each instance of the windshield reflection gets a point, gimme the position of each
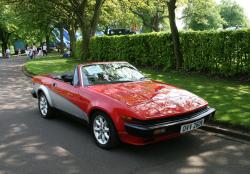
(110, 73)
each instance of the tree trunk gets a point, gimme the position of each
(89, 31)
(155, 23)
(61, 40)
(4, 47)
(86, 35)
(47, 42)
(72, 36)
(96, 15)
(5, 39)
(175, 35)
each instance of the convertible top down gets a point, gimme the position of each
(120, 104)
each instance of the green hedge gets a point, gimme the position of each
(224, 53)
(146, 50)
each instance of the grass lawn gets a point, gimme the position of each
(231, 99)
(51, 64)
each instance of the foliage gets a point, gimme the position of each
(152, 13)
(153, 49)
(7, 20)
(115, 15)
(202, 15)
(8, 25)
(231, 99)
(33, 20)
(225, 53)
(232, 14)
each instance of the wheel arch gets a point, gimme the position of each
(45, 91)
(94, 110)
(113, 118)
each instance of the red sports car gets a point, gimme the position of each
(120, 104)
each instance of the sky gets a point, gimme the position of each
(246, 5)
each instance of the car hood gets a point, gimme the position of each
(152, 99)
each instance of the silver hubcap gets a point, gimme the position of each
(43, 105)
(101, 130)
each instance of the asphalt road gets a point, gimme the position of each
(32, 145)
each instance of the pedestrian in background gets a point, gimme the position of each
(30, 52)
(45, 49)
(7, 53)
(34, 50)
(1, 56)
(19, 52)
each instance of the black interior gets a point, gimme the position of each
(68, 78)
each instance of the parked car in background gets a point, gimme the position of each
(111, 32)
(120, 104)
(236, 27)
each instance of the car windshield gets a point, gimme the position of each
(110, 73)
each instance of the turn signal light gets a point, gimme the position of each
(127, 118)
(159, 131)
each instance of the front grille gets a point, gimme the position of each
(172, 119)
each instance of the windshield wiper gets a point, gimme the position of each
(123, 81)
(143, 78)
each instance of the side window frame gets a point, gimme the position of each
(76, 81)
(85, 81)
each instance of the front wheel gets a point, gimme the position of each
(104, 131)
(44, 107)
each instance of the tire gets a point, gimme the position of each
(45, 109)
(103, 131)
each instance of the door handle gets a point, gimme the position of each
(54, 84)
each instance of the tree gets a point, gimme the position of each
(171, 4)
(7, 26)
(64, 19)
(116, 15)
(202, 15)
(151, 12)
(33, 22)
(87, 13)
(44, 17)
(232, 14)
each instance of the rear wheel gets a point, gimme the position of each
(44, 107)
(104, 132)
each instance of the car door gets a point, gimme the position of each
(66, 96)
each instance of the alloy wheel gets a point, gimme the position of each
(43, 105)
(101, 130)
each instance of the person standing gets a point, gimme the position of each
(34, 50)
(19, 52)
(1, 56)
(30, 52)
(45, 49)
(7, 53)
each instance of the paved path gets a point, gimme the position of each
(30, 144)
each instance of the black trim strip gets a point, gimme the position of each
(171, 126)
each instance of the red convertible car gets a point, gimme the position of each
(120, 104)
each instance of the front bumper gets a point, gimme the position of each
(167, 127)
